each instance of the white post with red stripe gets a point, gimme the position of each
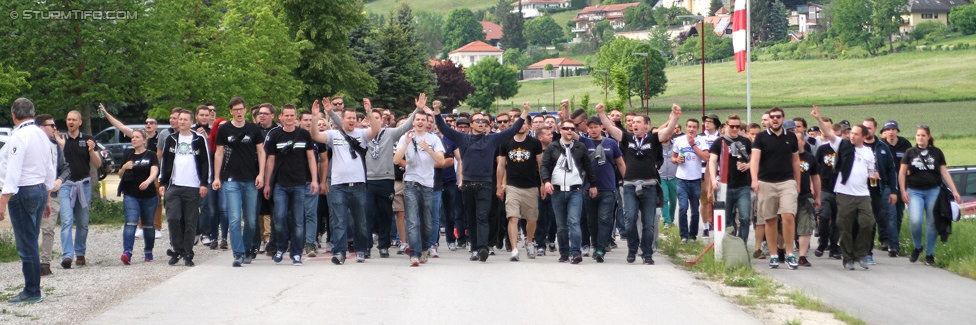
(718, 219)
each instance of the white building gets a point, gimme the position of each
(474, 52)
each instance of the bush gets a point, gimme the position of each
(929, 31)
(8, 249)
(963, 18)
(104, 211)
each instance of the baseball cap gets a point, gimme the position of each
(594, 119)
(891, 124)
(814, 129)
(789, 125)
(462, 121)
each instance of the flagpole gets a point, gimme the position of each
(748, 58)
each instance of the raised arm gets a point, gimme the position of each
(825, 128)
(314, 132)
(374, 124)
(665, 133)
(615, 132)
(115, 122)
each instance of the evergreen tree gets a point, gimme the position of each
(779, 22)
(714, 7)
(407, 72)
(513, 35)
(461, 28)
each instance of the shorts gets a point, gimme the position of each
(755, 210)
(398, 196)
(777, 198)
(522, 203)
(805, 221)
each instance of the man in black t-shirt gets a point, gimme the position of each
(239, 170)
(827, 222)
(292, 151)
(776, 182)
(79, 152)
(898, 145)
(519, 161)
(731, 154)
(643, 155)
(808, 200)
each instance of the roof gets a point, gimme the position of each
(524, 2)
(719, 22)
(556, 62)
(934, 6)
(722, 11)
(492, 30)
(616, 7)
(477, 46)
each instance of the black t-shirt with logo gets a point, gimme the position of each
(141, 169)
(642, 156)
(808, 168)
(77, 156)
(291, 160)
(521, 165)
(826, 158)
(736, 178)
(775, 163)
(240, 151)
(923, 167)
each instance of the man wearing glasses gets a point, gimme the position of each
(777, 183)
(731, 153)
(477, 155)
(262, 238)
(46, 123)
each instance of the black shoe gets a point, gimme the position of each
(66, 263)
(214, 244)
(576, 259)
(173, 257)
(819, 252)
(915, 253)
(631, 257)
(474, 258)
(892, 253)
(782, 252)
(836, 255)
(884, 248)
(188, 261)
(338, 259)
(238, 261)
(613, 244)
(563, 258)
(552, 247)
(369, 253)
(648, 261)
(384, 252)
(930, 260)
(483, 254)
(804, 262)
(598, 256)
(508, 246)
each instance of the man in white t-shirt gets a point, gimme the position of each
(183, 179)
(856, 165)
(419, 151)
(711, 124)
(688, 151)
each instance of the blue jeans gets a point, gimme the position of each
(417, 215)
(209, 214)
(289, 198)
(349, 211)
(646, 204)
(379, 209)
(567, 206)
(688, 192)
(26, 209)
(921, 203)
(741, 198)
(69, 215)
(311, 216)
(619, 218)
(894, 224)
(436, 204)
(240, 201)
(600, 217)
(451, 199)
(139, 209)
(670, 188)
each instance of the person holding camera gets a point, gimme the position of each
(730, 157)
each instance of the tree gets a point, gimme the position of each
(599, 30)
(779, 23)
(513, 27)
(12, 82)
(429, 33)
(963, 18)
(577, 4)
(639, 17)
(620, 81)
(714, 7)
(928, 31)
(668, 16)
(886, 18)
(716, 47)
(851, 23)
(516, 58)
(404, 61)
(543, 30)
(461, 28)
(498, 13)
(486, 72)
(661, 41)
(452, 86)
(619, 53)
(327, 66)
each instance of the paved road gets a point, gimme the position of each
(892, 292)
(449, 289)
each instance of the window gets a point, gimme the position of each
(970, 185)
(107, 136)
(926, 16)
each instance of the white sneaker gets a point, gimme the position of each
(205, 240)
(586, 250)
(262, 246)
(433, 252)
(530, 250)
(515, 255)
(138, 232)
(328, 248)
(159, 234)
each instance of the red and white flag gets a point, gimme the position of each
(739, 36)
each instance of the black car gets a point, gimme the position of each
(107, 161)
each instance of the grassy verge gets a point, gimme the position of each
(8, 249)
(957, 255)
(105, 211)
(762, 289)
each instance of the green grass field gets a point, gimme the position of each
(442, 7)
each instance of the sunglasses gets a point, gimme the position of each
(502, 121)
(568, 128)
(338, 103)
(52, 125)
(776, 116)
(733, 126)
(150, 122)
(480, 120)
(923, 126)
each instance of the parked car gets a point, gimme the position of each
(108, 162)
(5, 131)
(965, 179)
(116, 142)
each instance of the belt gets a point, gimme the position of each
(564, 188)
(414, 184)
(353, 184)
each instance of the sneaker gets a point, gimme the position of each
(870, 260)
(247, 259)
(508, 246)
(462, 245)
(864, 262)
(262, 246)
(530, 250)
(576, 259)
(451, 247)
(238, 261)
(223, 244)
(773, 262)
(648, 261)
(892, 253)
(173, 257)
(913, 258)
(414, 261)
(791, 262)
(705, 233)
(613, 244)
(491, 251)
(515, 255)
(563, 258)
(474, 257)
(159, 234)
(328, 248)
(598, 256)
(818, 252)
(804, 261)
(46, 270)
(433, 252)
(312, 251)
(213, 244)
(849, 265)
(424, 257)
(188, 261)
(360, 257)
(764, 248)
(296, 260)
(552, 247)
(781, 251)
(138, 232)
(483, 254)
(126, 256)
(278, 256)
(402, 250)
(884, 247)
(930, 260)
(631, 257)
(205, 240)
(836, 256)
(368, 253)
(21, 298)
(684, 240)
(541, 251)
(384, 252)
(338, 259)
(586, 250)
(756, 254)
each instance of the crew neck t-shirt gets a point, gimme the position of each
(857, 182)
(736, 178)
(641, 155)
(291, 156)
(77, 156)
(808, 168)
(345, 168)
(240, 151)
(923, 167)
(521, 165)
(185, 163)
(142, 164)
(420, 164)
(690, 170)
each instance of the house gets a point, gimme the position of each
(696, 7)
(560, 66)
(493, 32)
(808, 18)
(474, 52)
(721, 22)
(541, 4)
(590, 16)
(919, 11)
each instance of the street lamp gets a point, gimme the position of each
(701, 34)
(647, 77)
(606, 83)
(495, 94)
(553, 91)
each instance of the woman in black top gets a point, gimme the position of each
(140, 200)
(923, 169)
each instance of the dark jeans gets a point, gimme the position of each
(894, 224)
(26, 209)
(855, 243)
(477, 205)
(139, 209)
(348, 209)
(827, 226)
(182, 213)
(496, 214)
(568, 206)
(210, 215)
(545, 230)
(451, 198)
(599, 211)
(880, 208)
(645, 203)
(741, 198)
(289, 216)
(323, 212)
(379, 208)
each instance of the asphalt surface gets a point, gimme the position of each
(449, 289)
